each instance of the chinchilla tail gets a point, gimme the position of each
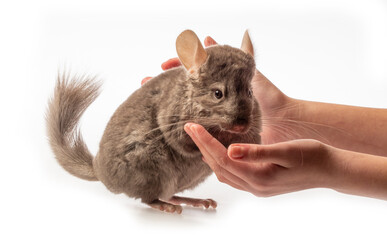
(72, 96)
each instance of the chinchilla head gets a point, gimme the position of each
(220, 89)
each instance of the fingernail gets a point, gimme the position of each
(187, 128)
(164, 65)
(146, 79)
(236, 152)
(193, 129)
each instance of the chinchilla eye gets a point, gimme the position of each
(218, 94)
(250, 93)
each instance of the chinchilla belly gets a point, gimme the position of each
(191, 173)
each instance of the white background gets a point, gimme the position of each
(331, 51)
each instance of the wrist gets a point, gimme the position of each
(334, 168)
(346, 172)
(324, 166)
(360, 174)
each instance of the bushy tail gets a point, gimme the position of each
(71, 98)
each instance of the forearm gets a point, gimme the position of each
(359, 174)
(352, 128)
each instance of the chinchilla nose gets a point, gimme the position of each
(239, 125)
(238, 128)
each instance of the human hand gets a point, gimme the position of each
(266, 170)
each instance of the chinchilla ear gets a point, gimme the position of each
(247, 45)
(190, 51)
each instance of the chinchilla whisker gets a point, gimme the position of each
(163, 126)
(288, 130)
(282, 133)
(280, 119)
(166, 116)
(277, 125)
(308, 127)
(169, 131)
(180, 122)
(166, 125)
(286, 107)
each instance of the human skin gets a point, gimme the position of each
(267, 170)
(289, 160)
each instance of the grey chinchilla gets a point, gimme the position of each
(144, 151)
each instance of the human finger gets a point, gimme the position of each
(216, 152)
(228, 178)
(225, 176)
(170, 63)
(222, 174)
(145, 80)
(279, 154)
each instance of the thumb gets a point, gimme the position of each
(275, 154)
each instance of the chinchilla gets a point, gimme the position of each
(145, 152)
